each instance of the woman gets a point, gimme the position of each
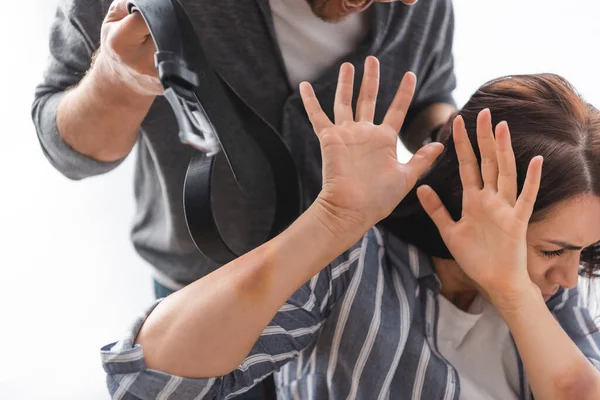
(345, 311)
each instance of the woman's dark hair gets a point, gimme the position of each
(547, 117)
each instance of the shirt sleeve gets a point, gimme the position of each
(575, 319)
(74, 37)
(294, 328)
(436, 80)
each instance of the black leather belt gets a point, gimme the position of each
(226, 131)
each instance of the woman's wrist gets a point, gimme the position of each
(344, 228)
(511, 303)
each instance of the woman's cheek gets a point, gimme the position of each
(537, 265)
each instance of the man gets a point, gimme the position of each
(100, 95)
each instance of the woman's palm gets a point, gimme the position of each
(489, 241)
(362, 178)
(353, 158)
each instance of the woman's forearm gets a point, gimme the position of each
(209, 327)
(555, 367)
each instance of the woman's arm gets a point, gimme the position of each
(294, 329)
(489, 244)
(555, 366)
(208, 328)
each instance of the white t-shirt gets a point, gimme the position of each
(310, 45)
(478, 345)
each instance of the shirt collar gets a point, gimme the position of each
(405, 255)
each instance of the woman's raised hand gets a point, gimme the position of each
(362, 179)
(489, 241)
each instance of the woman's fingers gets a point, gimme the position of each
(487, 148)
(397, 112)
(526, 201)
(435, 209)
(342, 107)
(316, 115)
(420, 162)
(507, 167)
(367, 99)
(467, 162)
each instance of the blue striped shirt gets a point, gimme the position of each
(363, 328)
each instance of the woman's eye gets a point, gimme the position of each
(554, 253)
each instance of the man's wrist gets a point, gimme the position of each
(433, 135)
(424, 124)
(111, 86)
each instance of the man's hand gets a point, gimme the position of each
(101, 116)
(127, 51)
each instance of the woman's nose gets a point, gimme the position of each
(566, 276)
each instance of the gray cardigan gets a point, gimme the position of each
(239, 40)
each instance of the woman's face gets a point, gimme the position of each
(555, 242)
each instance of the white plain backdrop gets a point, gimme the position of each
(70, 281)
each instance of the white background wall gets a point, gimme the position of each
(70, 281)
